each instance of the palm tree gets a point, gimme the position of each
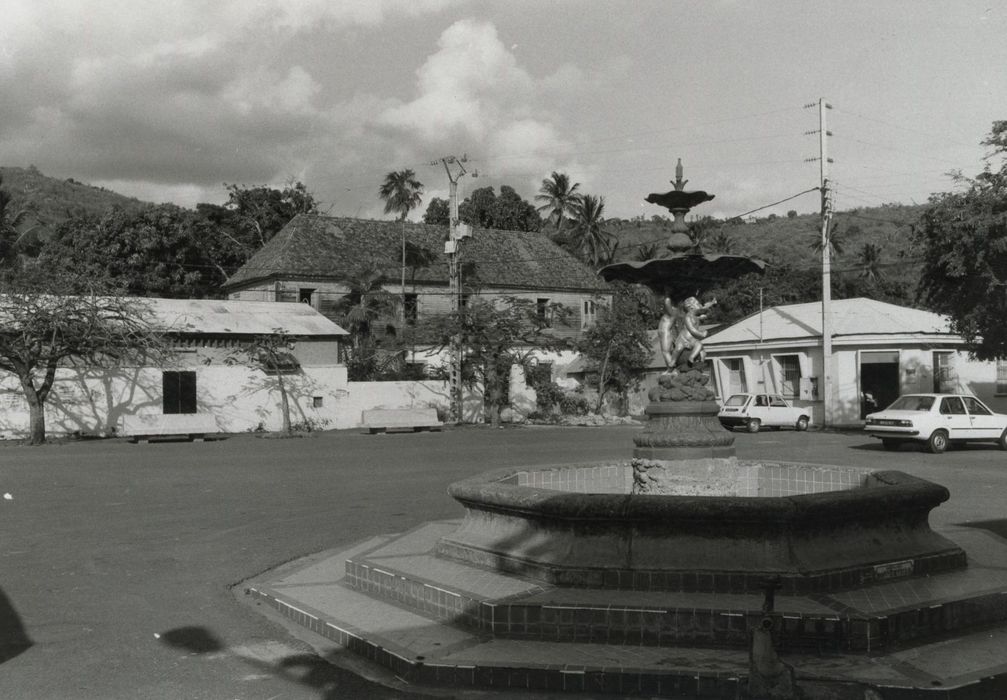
(720, 242)
(559, 199)
(869, 258)
(837, 241)
(402, 192)
(588, 235)
(15, 228)
(647, 251)
(363, 305)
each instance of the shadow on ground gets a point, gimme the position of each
(330, 681)
(13, 638)
(997, 527)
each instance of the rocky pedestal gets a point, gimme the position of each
(682, 432)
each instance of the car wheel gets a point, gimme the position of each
(938, 441)
(802, 423)
(1002, 442)
(753, 425)
(890, 444)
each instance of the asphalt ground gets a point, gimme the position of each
(117, 561)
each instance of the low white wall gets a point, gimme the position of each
(239, 398)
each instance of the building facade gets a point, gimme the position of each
(319, 260)
(879, 351)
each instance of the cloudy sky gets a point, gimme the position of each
(167, 101)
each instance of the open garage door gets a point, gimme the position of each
(879, 379)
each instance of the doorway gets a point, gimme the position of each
(879, 380)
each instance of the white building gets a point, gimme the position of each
(879, 351)
(198, 378)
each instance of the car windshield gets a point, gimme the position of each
(737, 400)
(912, 403)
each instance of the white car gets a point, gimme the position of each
(938, 420)
(754, 411)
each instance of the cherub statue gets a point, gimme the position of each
(679, 331)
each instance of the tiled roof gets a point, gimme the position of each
(323, 246)
(218, 317)
(850, 317)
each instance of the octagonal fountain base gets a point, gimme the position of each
(721, 526)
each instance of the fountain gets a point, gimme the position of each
(684, 514)
(683, 545)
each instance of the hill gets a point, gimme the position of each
(788, 239)
(51, 201)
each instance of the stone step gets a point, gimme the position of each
(867, 620)
(312, 593)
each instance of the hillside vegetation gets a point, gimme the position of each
(791, 239)
(889, 272)
(51, 201)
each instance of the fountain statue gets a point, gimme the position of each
(683, 421)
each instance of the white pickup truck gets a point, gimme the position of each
(754, 411)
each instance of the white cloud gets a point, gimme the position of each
(302, 14)
(473, 95)
(468, 85)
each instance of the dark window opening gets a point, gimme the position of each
(279, 363)
(316, 401)
(542, 310)
(178, 392)
(412, 305)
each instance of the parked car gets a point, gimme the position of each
(754, 411)
(937, 420)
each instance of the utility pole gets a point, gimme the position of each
(457, 232)
(826, 218)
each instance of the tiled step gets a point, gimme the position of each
(868, 620)
(312, 592)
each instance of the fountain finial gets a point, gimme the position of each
(678, 182)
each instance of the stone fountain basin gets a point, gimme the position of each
(818, 528)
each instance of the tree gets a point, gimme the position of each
(506, 212)
(720, 242)
(836, 238)
(792, 214)
(15, 228)
(963, 237)
(161, 251)
(494, 337)
(617, 346)
(869, 259)
(53, 322)
(588, 235)
(438, 212)
(702, 228)
(647, 251)
(783, 283)
(559, 199)
(271, 353)
(251, 216)
(363, 306)
(401, 193)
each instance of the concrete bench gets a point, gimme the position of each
(193, 426)
(382, 420)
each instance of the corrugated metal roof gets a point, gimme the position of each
(214, 316)
(850, 317)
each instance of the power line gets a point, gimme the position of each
(942, 136)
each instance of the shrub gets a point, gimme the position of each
(548, 395)
(574, 405)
